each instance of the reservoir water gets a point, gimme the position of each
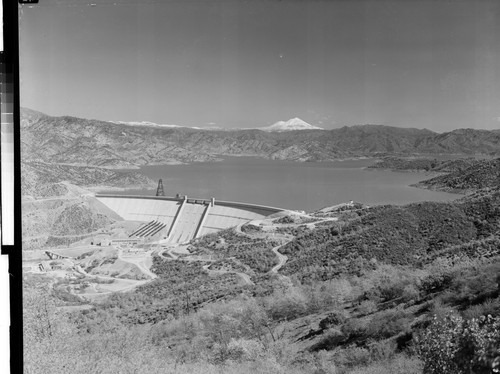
(293, 185)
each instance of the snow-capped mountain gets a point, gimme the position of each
(290, 125)
(143, 123)
(152, 124)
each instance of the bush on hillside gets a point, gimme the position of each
(287, 305)
(456, 345)
(388, 323)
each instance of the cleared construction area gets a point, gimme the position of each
(181, 219)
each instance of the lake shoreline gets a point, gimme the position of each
(306, 186)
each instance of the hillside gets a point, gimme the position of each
(58, 207)
(406, 235)
(87, 142)
(69, 215)
(483, 174)
(40, 179)
(424, 164)
(347, 289)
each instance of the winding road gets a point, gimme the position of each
(281, 259)
(133, 283)
(244, 276)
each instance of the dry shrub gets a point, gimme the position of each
(399, 364)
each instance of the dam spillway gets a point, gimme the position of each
(183, 219)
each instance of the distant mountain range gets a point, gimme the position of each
(144, 123)
(290, 125)
(77, 141)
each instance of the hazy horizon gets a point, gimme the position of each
(233, 64)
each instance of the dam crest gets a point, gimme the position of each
(181, 219)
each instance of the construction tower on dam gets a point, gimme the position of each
(159, 189)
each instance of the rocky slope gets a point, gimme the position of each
(40, 179)
(63, 219)
(56, 210)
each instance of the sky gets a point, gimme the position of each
(407, 63)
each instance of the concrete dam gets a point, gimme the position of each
(180, 219)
